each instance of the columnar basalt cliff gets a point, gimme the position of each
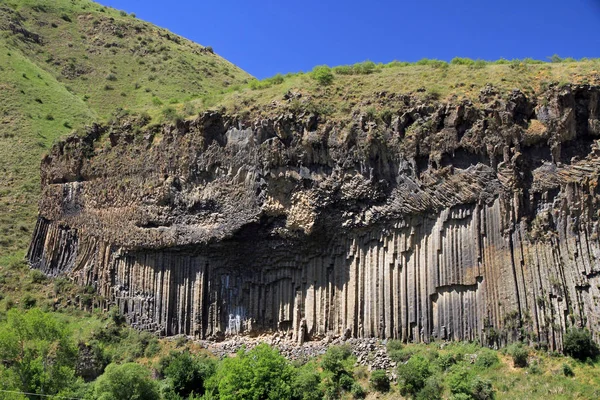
(435, 220)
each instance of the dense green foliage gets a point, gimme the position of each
(128, 381)
(38, 355)
(380, 381)
(322, 74)
(413, 374)
(519, 354)
(36, 352)
(185, 374)
(578, 343)
(261, 373)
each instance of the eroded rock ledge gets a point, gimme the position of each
(449, 221)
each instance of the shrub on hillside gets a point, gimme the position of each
(445, 361)
(482, 389)
(464, 384)
(519, 354)
(487, 358)
(459, 379)
(432, 390)
(126, 381)
(364, 68)
(357, 391)
(413, 374)
(379, 381)
(37, 276)
(306, 383)
(343, 70)
(462, 61)
(261, 373)
(322, 74)
(567, 370)
(578, 343)
(185, 373)
(338, 360)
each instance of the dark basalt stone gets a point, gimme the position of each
(449, 221)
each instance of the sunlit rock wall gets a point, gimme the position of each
(447, 221)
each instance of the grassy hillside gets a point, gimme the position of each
(64, 63)
(360, 87)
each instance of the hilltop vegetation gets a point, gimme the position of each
(340, 91)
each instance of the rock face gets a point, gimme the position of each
(449, 221)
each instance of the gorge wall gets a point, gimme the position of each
(431, 220)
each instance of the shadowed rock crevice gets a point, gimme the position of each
(450, 221)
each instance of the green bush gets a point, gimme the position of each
(397, 352)
(28, 301)
(461, 396)
(379, 381)
(463, 384)
(397, 64)
(261, 373)
(462, 61)
(306, 383)
(578, 343)
(346, 382)
(36, 353)
(519, 354)
(393, 345)
(37, 276)
(277, 79)
(567, 370)
(322, 74)
(338, 360)
(364, 68)
(255, 84)
(128, 381)
(343, 70)
(432, 390)
(171, 115)
(432, 63)
(445, 361)
(480, 64)
(185, 373)
(357, 391)
(482, 389)
(486, 358)
(413, 374)
(535, 368)
(556, 59)
(459, 379)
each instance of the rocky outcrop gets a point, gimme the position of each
(426, 221)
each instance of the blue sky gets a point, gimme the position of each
(267, 37)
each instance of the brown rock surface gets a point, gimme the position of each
(450, 221)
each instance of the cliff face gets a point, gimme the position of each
(450, 221)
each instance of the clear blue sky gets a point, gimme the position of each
(266, 37)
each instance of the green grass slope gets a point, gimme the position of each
(359, 88)
(65, 63)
